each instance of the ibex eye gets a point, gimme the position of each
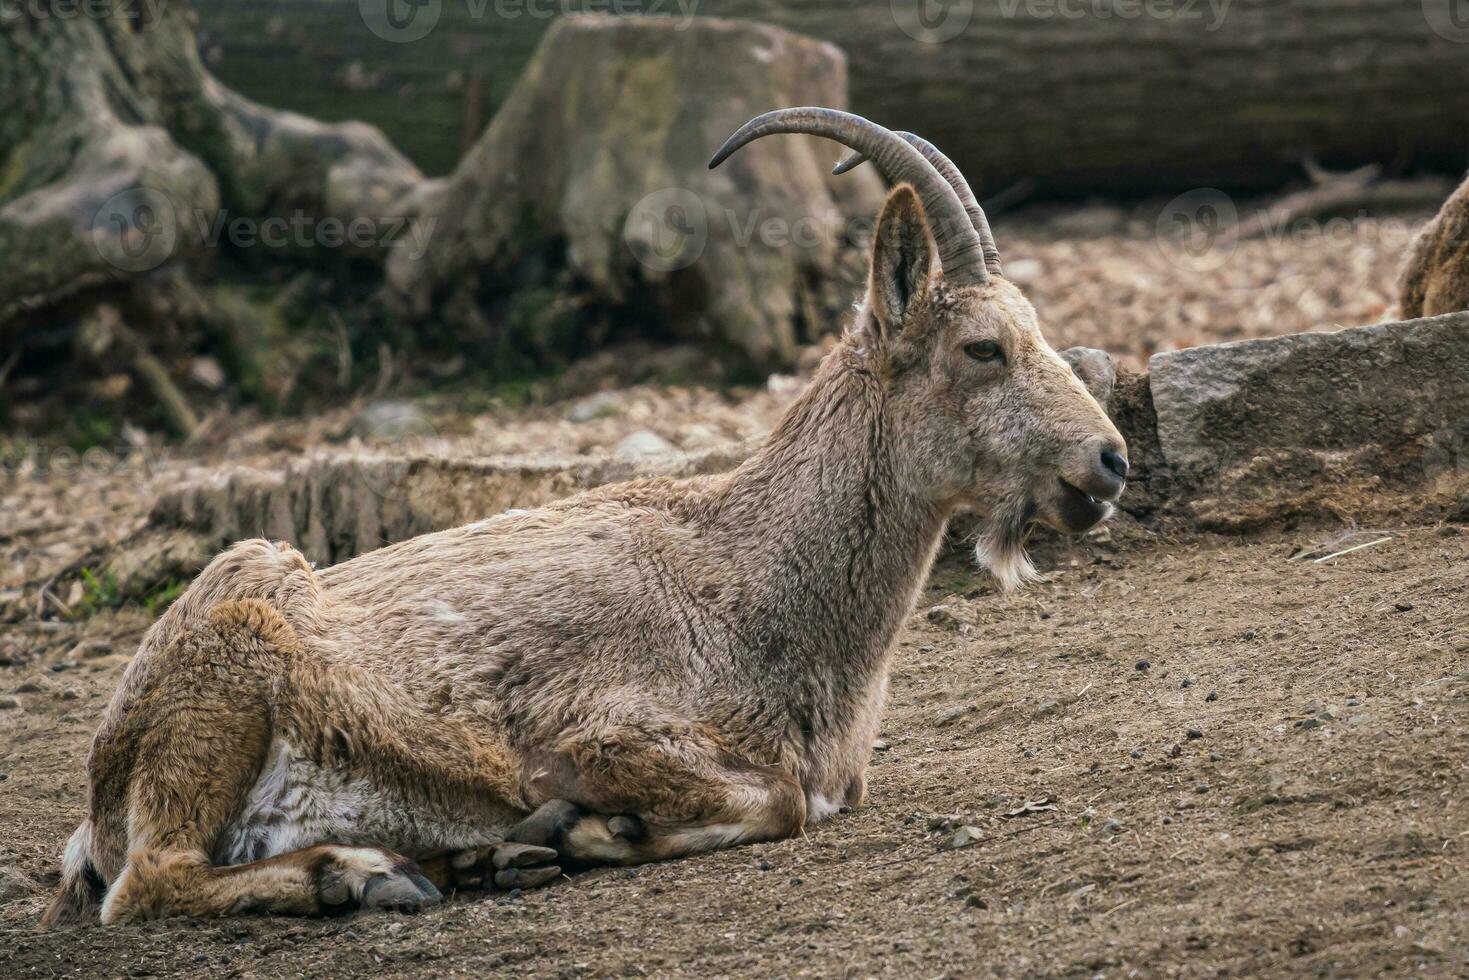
(985, 350)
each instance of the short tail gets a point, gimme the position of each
(79, 895)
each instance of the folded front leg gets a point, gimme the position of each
(634, 793)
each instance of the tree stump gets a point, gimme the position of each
(593, 177)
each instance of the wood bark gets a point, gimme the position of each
(119, 152)
(1081, 99)
(1081, 96)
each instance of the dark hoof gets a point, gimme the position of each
(547, 826)
(404, 890)
(527, 877)
(626, 827)
(515, 855)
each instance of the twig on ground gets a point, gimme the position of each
(1347, 551)
(1359, 189)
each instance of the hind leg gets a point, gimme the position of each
(188, 750)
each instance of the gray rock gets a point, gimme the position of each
(965, 836)
(943, 617)
(14, 884)
(1095, 368)
(1264, 424)
(598, 406)
(9, 702)
(642, 443)
(392, 420)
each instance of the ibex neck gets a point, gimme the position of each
(832, 546)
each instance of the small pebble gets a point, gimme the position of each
(1187, 682)
(1114, 825)
(764, 865)
(1212, 696)
(1167, 819)
(1143, 664)
(1175, 751)
(1136, 753)
(1403, 606)
(1195, 733)
(9, 702)
(965, 836)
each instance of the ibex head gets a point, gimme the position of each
(989, 417)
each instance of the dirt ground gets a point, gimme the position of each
(1180, 755)
(1177, 755)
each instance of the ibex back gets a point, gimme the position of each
(643, 671)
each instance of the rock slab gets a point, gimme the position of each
(1281, 417)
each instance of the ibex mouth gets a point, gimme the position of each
(1079, 510)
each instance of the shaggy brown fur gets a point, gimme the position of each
(636, 673)
(1435, 279)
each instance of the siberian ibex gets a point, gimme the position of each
(1435, 278)
(639, 672)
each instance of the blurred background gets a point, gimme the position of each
(216, 216)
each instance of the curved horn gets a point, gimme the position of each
(961, 252)
(951, 173)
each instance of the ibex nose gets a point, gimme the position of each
(1115, 462)
(1110, 470)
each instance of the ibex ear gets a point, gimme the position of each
(902, 256)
